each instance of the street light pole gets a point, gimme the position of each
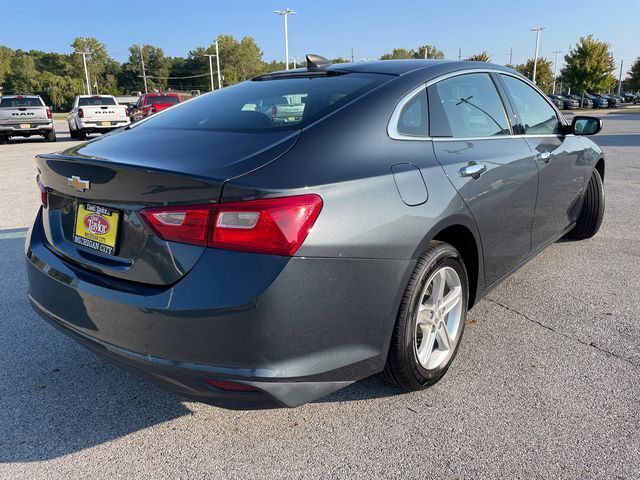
(218, 65)
(210, 55)
(144, 73)
(535, 59)
(86, 72)
(555, 71)
(620, 78)
(285, 13)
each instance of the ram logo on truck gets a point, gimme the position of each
(22, 114)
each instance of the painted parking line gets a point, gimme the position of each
(8, 234)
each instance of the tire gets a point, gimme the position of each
(3, 140)
(592, 211)
(73, 133)
(408, 366)
(51, 136)
(81, 134)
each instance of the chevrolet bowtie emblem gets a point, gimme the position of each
(78, 184)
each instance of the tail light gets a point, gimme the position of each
(44, 196)
(276, 226)
(81, 113)
(48, 112)
(230, 386)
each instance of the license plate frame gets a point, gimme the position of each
(25, 126)
(105, 124)
(97, 228)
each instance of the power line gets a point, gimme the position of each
(175, 78)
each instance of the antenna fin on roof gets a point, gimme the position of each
(316, 62)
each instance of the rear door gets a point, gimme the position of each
(493, 170)
(559, 160)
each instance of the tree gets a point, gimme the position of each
(96, 60)
(544, 72)
(633, 80)
(24, 77)
(156, 68)
(589, 66)
(398, 54)
(480, 57)
(6, 56)
(431, 50)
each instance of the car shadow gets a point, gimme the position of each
(57, 398)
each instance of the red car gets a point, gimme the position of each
(151, 103)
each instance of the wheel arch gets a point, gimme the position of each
(600, 168)
(461, 233)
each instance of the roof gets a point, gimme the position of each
(397, 67)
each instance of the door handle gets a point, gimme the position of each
(544, 156)
(473, 170)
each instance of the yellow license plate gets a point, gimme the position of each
(25, 125)
(96, 228)
(105, 124)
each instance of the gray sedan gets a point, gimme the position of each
(248, 260)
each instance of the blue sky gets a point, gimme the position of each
(330, 28)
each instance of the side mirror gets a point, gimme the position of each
(583, 125)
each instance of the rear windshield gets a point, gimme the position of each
(162, 99)
(90, 101)
(268, 105)
(21, 102)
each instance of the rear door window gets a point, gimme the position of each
(467, 106)
(413, 119)
(536, 115)
(162, 99)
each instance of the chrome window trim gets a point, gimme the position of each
(392, 126)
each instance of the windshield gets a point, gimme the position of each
(268, 105)
(97, 101)
(162, 99)
(16, 102)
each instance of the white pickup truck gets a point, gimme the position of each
(96, 114)
(23, 116)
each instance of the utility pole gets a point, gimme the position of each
(285, 13)
(555, 72)
(620, 78)
(459, 54)
(535, 58)
(351, 54)
(218, 65)
(86, 72)
(144, 73)
(210, 55)
(511, 56)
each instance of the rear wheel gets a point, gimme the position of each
(73, 133)
(82, 135)
(51, 136)
(431, 319)
(592, 211)
(3, 139)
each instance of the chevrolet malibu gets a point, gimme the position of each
(248, 260)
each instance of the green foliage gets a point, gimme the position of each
(419, 53)
(544, 73)
(23, 77)
(589, 66)
(633, 80)
(480, 57)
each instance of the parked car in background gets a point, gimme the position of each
(586, 101)
(568, 103)
(598, 101)
(24, 116)
(248, 263)
(281, 109)
(612, 102)
(629, 97)
(556, 101)
(151, 103)
(95, 114)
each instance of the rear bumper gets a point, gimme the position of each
(14, 130)
(295, 329)
(97, 127)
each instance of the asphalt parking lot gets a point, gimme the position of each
(546, 383)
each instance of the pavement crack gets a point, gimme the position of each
(569, 337)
